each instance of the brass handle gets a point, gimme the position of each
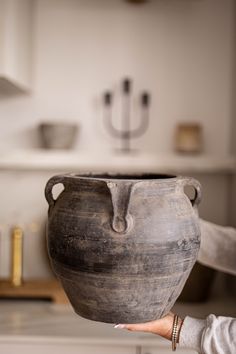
(17, 256)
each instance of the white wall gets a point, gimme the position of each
(179, 50)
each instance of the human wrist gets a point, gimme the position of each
(166, 326)
(191, 333)
(176, 328)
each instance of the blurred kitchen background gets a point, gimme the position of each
(74, 73)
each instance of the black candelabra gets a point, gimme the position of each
(126, 133)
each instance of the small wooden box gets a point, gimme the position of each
(33, 289)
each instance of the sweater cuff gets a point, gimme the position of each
(191, 333)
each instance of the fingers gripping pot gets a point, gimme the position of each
(122, 246)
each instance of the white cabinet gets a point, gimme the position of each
(15, 45)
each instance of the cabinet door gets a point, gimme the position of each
(163, 350)
(15, 45)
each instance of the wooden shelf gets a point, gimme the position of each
(34, 289)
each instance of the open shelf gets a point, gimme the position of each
(59, 160)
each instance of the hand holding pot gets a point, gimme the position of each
(168, 327)
(161, 327)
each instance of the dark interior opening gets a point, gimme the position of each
(141, 176)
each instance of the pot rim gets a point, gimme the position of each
(135, 177)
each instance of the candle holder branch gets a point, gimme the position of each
(127, 133)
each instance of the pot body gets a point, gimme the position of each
(122, 246)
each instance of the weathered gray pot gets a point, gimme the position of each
(122, 246)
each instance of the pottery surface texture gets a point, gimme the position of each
(122, 246)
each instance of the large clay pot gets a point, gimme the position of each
(123, 246)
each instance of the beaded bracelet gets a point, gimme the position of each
(175, 332)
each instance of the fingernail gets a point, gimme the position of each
(119, 326)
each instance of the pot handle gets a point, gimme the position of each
(48, 189)
(189, 181)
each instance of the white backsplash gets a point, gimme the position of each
(23, 204)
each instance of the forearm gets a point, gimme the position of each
(191, 333)
(214, 335)
(218, 247)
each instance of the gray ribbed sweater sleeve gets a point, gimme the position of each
(218, 247)
(215, 335)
